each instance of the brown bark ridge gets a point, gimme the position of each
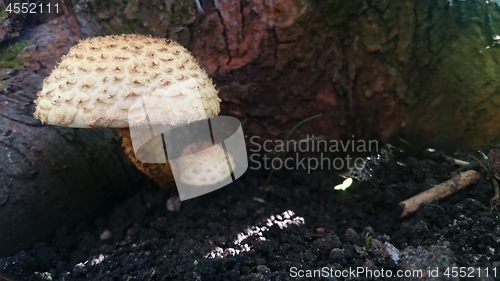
(375, 69)
(50, 176)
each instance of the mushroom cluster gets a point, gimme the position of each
(98, 82)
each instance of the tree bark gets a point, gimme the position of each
(375, 69)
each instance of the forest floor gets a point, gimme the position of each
(247, 231)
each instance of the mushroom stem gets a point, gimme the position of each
(440, 191)
(159, 172)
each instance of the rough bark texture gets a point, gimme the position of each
(50, 176)
(9, 25)
(373, 68)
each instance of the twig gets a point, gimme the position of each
(442, 190)
(459, 162)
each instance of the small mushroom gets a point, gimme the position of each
(101, 78)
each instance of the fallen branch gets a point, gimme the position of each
(442, 190)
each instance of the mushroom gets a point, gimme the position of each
(102, 78)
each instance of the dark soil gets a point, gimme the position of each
(245, 231)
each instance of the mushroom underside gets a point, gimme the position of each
(161, 173)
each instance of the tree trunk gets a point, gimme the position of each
(374, 69)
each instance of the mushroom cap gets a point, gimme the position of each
(206, 167)
(102, 78)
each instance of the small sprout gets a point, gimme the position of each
(368, 240)
(344, 185)
(368, 243)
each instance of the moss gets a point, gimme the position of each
(132, 8)
(462, 100)
(3, 13)
(10, 58)
(156, 17)
(106, 14)
(182, 11)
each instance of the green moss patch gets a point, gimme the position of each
(9, 59)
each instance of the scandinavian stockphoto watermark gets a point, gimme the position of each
(310, 153)
(204, 154)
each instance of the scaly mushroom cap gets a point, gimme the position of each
(101, 78)
(206, 167)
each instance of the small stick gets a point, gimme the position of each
(459, 162)
(441, 190)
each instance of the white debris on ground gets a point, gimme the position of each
(174, 203)
(106, 234)
(256, 232)
(392, 251)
